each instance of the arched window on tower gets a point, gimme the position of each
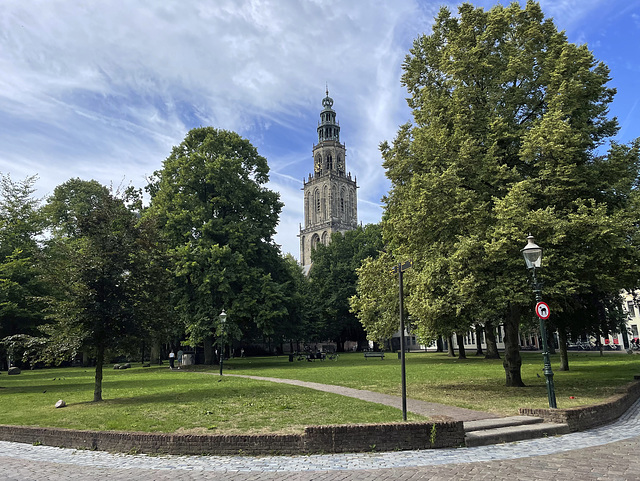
(329, 162)
(316, 201)
(325, 238)
(325, 199)
(334, 200)
(314, 241)
(306, 210)
(352, 205)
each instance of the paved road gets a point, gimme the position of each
(609, 452)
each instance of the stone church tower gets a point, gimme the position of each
(330, 195)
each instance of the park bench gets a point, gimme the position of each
(373, 354)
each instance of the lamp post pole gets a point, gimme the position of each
(399, 269)
(533, 257)
(402, 348)
(223, 318)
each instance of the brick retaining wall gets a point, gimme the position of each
(586, 417)
(316, 439)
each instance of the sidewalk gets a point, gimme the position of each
(423, 408)
(608, 452)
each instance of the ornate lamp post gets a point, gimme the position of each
(223, 320)
(532, 254)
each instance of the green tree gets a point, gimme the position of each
(297, 324)
(218, 220)
(333, 279)
(376, 301)
(509, 118)
(92, 258)
(21, 286)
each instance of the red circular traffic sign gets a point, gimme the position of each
(542, 310)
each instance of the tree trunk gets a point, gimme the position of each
(479, 340)
(85, 358)
(450, 346)
(492, 345)
(154, 356)
(461, 352)
(208, 351)
(512, 360)
(97, 388)
(564, 355)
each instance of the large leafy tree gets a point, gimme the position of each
(218, 219)
(509, 120)
(298, 323)
(93, 259)
(333, 279)
(21, 285)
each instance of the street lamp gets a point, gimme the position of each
(223, 319)
(532, 254)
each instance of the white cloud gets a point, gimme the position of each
(103, 89)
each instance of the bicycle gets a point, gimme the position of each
(584, 345)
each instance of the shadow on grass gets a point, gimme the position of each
(217, 392)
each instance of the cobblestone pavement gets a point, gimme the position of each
(609, 452)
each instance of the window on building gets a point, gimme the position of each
(499, 333)
(634, 330)
(631, 309)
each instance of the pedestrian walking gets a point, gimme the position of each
(172, 359)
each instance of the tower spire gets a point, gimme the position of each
(330, 195)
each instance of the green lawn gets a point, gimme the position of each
(157, 399)
(474, 383)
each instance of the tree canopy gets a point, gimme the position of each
(218, 219)
(510, 123)
(21, 284)
(92, 260)
(333, 280)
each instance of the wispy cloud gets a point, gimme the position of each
(104, 89)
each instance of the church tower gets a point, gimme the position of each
(330, 196)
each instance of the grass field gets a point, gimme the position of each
(199, 401)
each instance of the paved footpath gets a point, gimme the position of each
(609, 452)
(413, 405)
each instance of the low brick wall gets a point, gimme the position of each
(586, 417)
(383, 437)
(316, 439)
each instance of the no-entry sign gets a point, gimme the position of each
(542, 310)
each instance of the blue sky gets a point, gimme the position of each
(103, 89)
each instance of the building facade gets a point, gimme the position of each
(330, 194)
